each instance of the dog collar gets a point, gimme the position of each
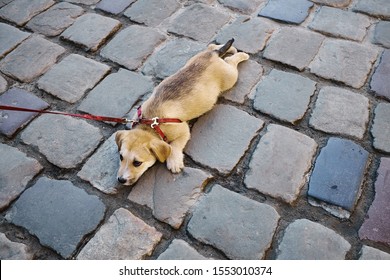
(154, 123)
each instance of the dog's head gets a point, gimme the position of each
(138, 150)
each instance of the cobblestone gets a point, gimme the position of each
(380, 83)
(379, 8)
(240, 227)
(287, 11)
(115, 7)
(369, 253)
(380, 129)
(10, 38)
(333, 3)
(12, 250)
(180, 250)
(382, 34)
(3, 84)
(246, 7)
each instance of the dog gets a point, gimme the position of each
(186, 95)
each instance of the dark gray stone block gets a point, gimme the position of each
(286, 10)
(380, 82)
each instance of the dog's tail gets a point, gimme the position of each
(223, 50)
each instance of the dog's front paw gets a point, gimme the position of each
(175, 161)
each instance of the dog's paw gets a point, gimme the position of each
(175, 161)
(244, 56)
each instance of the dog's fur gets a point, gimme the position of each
(186, 95)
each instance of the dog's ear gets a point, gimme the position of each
(160, 149)
(119, 139)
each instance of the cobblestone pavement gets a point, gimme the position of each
(293, 162)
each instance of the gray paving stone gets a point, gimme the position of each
(10, 38)
(151, 12)
(84, 2)
(294, 47)
(170, 196)
(16, 171)
(238, 226)
(380, 129)
(224, 128)
(380, 82)
(91, 30)
(258, 29)
(338, 173)
(58, 213)
(72, 77)
(379, 8)
(56, 19)
(283, 95)
(114, 7)
(31, 59)
(118, 48)
(370, 253)
(340, 111)
(333, 3)
(102, 167)
(280, 163)
(65, 141)
(382, 34)
(180, 250)
(13, 250)
(4, 2)
(340, 23)
(243, 6)
(344, 61)
(21, 11)
(287, 11)
(199, 22)
(122, 237)
(250, 73)
(12, 121)
(171, 57)
(376, 226)
(306, 240)
(3, 84)
(116, 94)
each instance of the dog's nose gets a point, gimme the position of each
(121, 180)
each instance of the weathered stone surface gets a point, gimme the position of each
(380, 129)
(240, 227)
(84, 2)
(10, 38)
(16, 171)
(370, 253)
(244, 6)
(64, 141)
(339, 23)
(250, 73)
(3, 84)
(118, 49)
(376, 226)
(4, 2)
(21, 11)
(333, 3)
(380, 82)
(379, 8)
(341, 111)
(382, 34)
(199, 22)
(294, 46)
(306, 240)
(286, 10)
(344, 61)
(224, 128)
(72, 77)
(58, 213)
(116, 94)
(258, 29)
(101, 169)
(11, 121)
(338, 173)
(180, 250)
(91, 30)
(171, 57)
(169, 195)
(114, 7)
(151, 12)
(280, 163)
(56, 19)
(31, 59)
(283, 95)
(13, 250)
(123, 237)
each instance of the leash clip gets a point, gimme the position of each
(155, 122)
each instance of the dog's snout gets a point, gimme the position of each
(121, 180)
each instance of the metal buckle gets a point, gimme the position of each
(155, 122)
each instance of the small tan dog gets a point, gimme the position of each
(186, 95)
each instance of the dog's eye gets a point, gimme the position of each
(137, 163)
(120, 157)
